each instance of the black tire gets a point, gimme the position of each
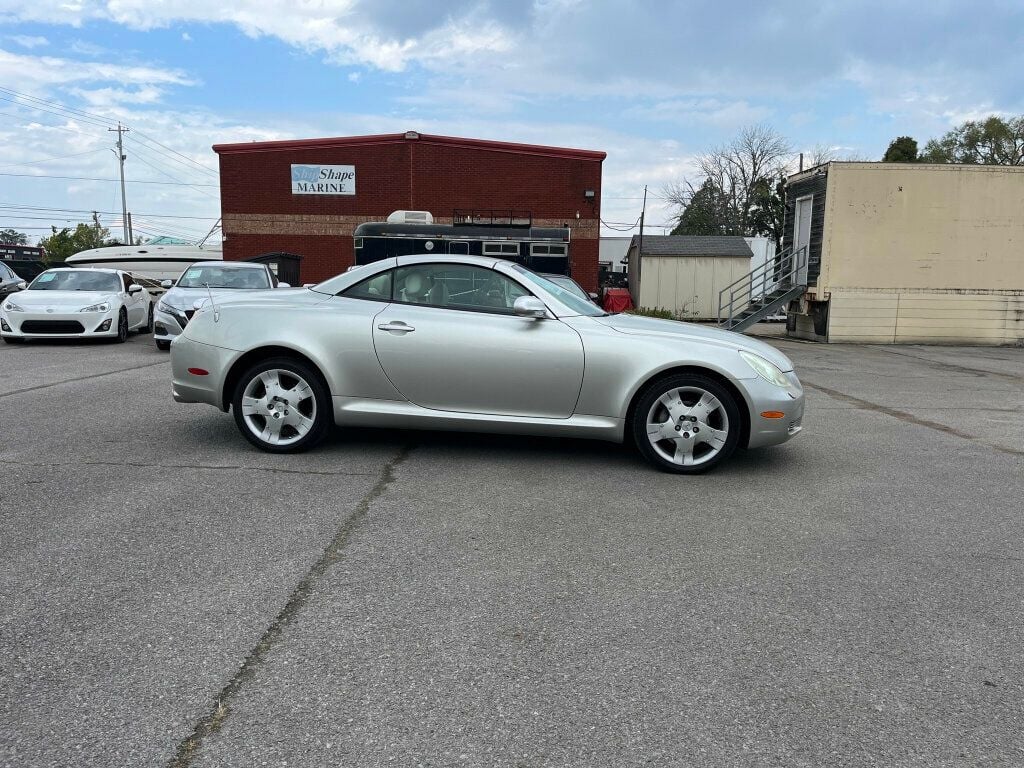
(724, 418)
(163, 346)
(322, 418)
(122, 327)
(148, 327)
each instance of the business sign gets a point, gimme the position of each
(323, 179)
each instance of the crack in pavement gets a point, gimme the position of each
(81, 378)
(210, 723)
(910, 418)
(229, 467)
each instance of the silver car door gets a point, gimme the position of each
(450, 341)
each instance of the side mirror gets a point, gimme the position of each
(21, 286)
(166, 284)
(135, 288)
(283, 285)
(530, 306)
(593, 296)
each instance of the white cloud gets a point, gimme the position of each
(29, 41)
(186, 37)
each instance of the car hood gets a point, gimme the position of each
(62, 299)
(652, 326)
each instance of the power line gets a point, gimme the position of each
(92, 178)
(138, 156)
(58, 105)
(179, 154)
(51, 159)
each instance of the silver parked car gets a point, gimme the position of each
(195, 287)
(470, 343)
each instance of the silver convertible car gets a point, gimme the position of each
(475, 344)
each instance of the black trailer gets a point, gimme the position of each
(27, 261)
(502, 234)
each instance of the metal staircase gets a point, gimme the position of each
(764, 290)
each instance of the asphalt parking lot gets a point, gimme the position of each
(171, 596)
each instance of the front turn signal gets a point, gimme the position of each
(773, 414)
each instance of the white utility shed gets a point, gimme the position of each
(684, 273)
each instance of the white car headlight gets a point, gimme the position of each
(10, 306)
(766, 369)
(103, 306)
(163, 306)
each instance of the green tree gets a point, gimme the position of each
(13, 237)
(768, 211)
(706, 212)
(993, 141)
(902, 149)
(67, 242)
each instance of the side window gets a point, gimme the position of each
(376, 288)
(457, 286)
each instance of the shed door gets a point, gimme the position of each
(802, 232)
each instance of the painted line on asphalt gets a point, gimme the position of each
(909, 418)
(81, 378)
(212, 721)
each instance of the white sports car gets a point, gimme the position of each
(77, 304)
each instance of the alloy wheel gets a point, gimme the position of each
(687, 426)
(279, 407)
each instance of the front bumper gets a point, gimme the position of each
(166, 327)
(58, 325)
(768, 398)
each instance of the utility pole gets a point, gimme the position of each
(643, 213)
(120, 164)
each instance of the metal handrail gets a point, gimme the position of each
(784, 269)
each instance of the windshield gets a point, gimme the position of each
(253, 278)
(571, 300)
(76, 280)
(569, 284)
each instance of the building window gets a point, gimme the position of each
(547, 249)
(501, 249)
(459, 247)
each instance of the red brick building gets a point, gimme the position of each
(267, 205)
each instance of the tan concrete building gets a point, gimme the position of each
(685, 273)
(909, 253)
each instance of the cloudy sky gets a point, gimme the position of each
(650, 83)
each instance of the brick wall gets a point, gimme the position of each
(434, 174)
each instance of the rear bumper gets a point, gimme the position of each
(192, 387)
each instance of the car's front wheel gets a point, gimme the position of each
(122, 327)
(281, 405)
(686, 423)
(148, 327)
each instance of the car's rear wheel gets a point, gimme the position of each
(686, 423)
(281, 405)
(163, 346)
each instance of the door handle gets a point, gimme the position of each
(398, 325)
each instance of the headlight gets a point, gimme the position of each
(10, 306)
(163, 306)
(766, 369)
(103, 306)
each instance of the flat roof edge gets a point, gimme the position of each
(402, 138)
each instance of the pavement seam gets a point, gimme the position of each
(228, 467)
(81, 378)
(210, 723)
(910, 418)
